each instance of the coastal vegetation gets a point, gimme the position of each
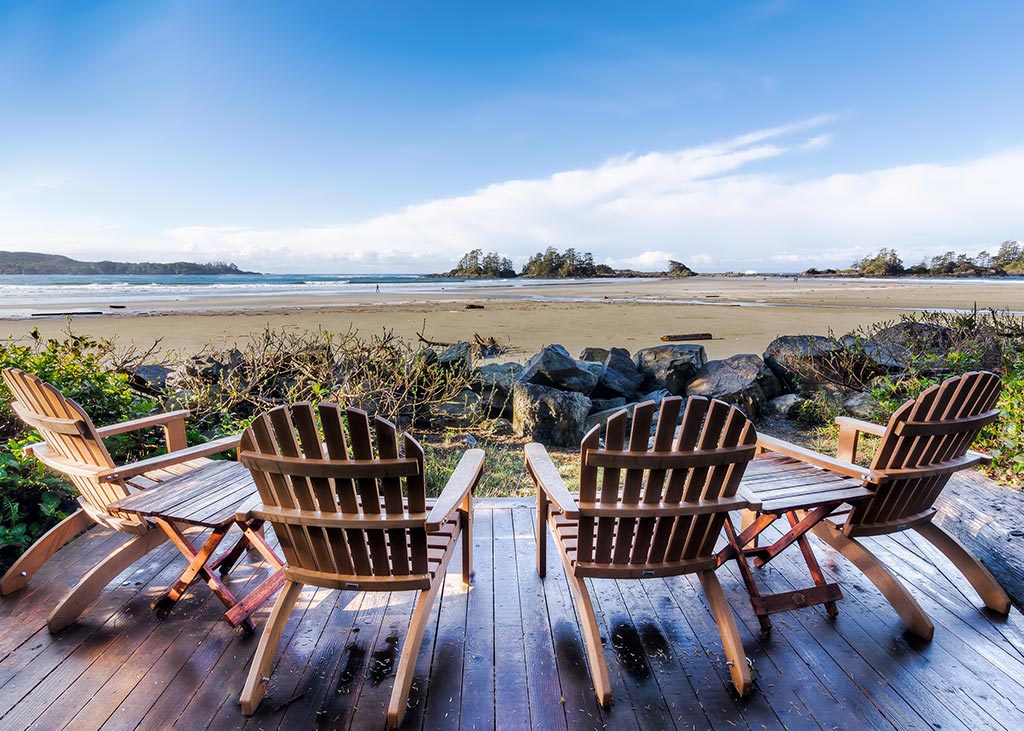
(27, 262)
(1007, 261)
(450, 396)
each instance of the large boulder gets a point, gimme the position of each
(803, 362)
(555, 368)
(669, 367)
(494, 383)
(548, 415)
(619, 375)
(743, 380)
(896, 347)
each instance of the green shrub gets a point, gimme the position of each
(979, 340)
(33, 499)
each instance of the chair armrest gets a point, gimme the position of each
(545, 476)
(173, 423)
(245, 510)
(850, 430)
(981, 457)
(753, 501)
(459, 487)
(134, 469)
(142, 423)
(807, 456)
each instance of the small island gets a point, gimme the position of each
(27, 262)
(549, 264)
(1008, 261)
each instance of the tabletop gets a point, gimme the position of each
(209, 496)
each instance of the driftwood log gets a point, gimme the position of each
(686, 336)
(988, 518)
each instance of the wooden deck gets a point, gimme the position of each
(510, 655)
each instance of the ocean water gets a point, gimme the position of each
(21, 295)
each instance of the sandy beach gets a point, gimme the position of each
(743, 314)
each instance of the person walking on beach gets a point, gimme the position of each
(378, 289)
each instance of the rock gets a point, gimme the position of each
(786, 405)
(457, 357)
(591, 366)
(896, 347)
(800, 361)
(211, 369)
(669, 367)
(555, 368)
(501, 427)
(494, 384)
(619, 375)
(600, 417)
(603, 404)
(428, 356)
(743, 380)
(548, 415)
(151, 378)
(463, 410)
(594, 354)
(861, 405)
(656, 396)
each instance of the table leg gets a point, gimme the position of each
(812, 564)
(196, 567)
(253, 535)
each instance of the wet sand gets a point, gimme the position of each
(743, 314)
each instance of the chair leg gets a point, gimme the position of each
(411, 649)
(259, 670)
(541, 536)
(591, 635)
(92, 583)
(897, 595)
(736, 658)
(990, 591)
(17, 577)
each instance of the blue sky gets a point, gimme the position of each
(376, 136)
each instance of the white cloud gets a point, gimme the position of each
(707, 206)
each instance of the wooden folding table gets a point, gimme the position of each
(216, 496)
(777, 486)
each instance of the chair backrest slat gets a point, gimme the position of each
(588, 493)
(345, 516)
(704, 464)
(932, 431)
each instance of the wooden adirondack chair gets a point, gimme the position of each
(648, 512)
(73, 446)
(343, 522)
(926, 441)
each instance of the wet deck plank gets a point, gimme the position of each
(507, 653)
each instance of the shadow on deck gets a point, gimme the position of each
(507, 653)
